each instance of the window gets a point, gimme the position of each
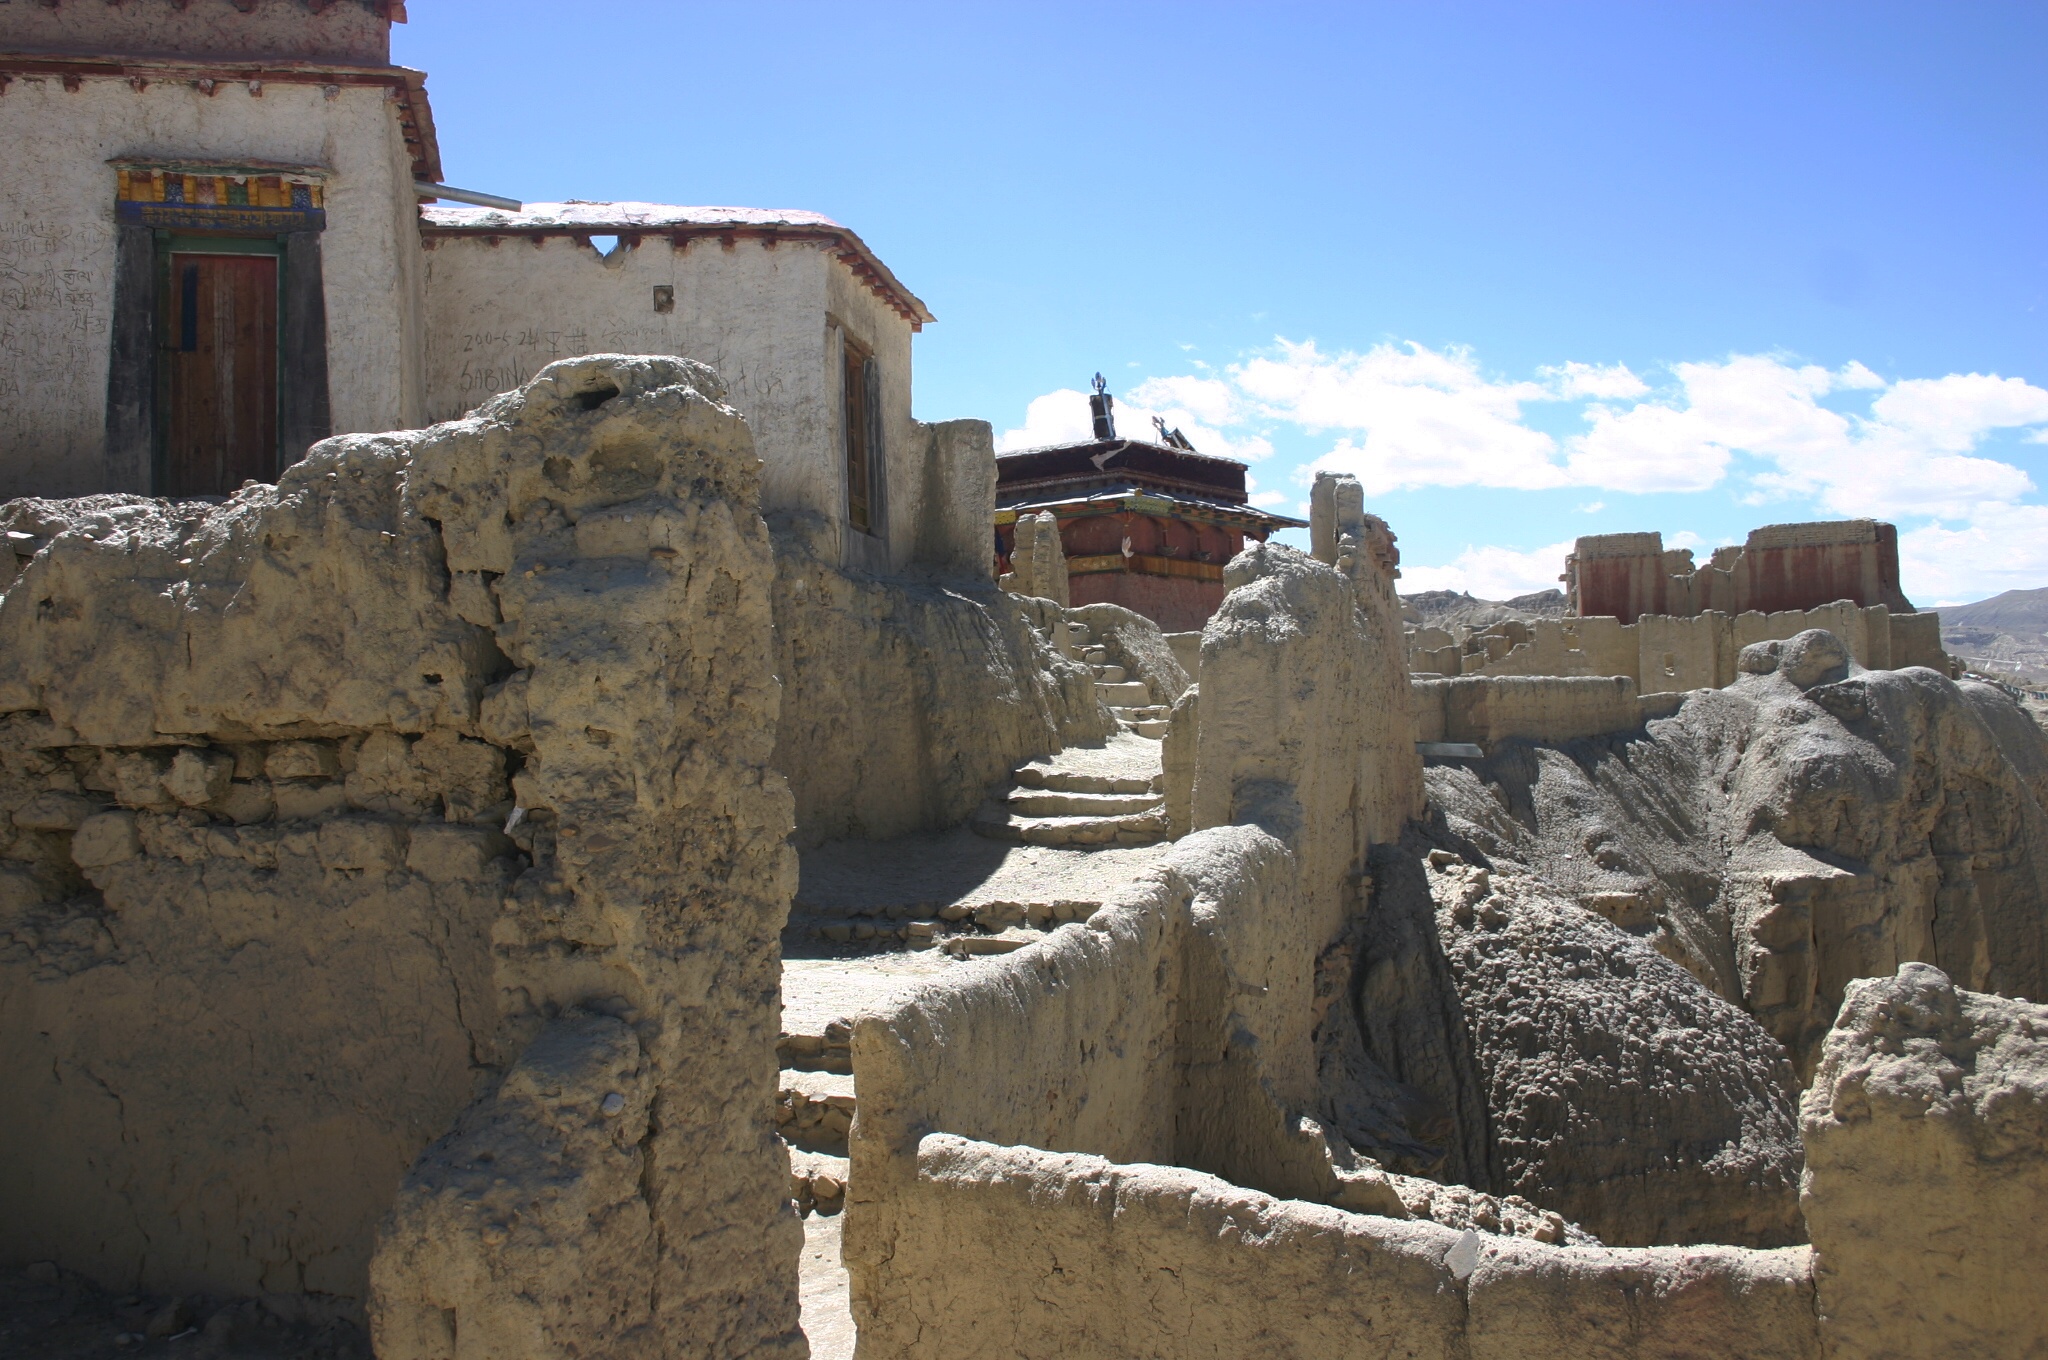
(861, 421)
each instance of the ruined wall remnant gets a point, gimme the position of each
(904, 699)
(1041, 1254)
(1038, 561)
(1305, 722)
(1781, 567)
(1014, 1191)
(1927, 1171)
(445, 758)
(1667, 653)
(1490, 709)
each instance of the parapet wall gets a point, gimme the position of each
(1025, 1252)
(428, 787)
(1485, 709)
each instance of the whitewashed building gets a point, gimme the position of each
(220, 242)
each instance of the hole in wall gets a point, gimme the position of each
(604, 245)
(596, 397)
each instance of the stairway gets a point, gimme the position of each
(1085, 796)
(1131, 701)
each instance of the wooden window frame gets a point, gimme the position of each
(864, 459)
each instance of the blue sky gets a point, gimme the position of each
(1531, 270)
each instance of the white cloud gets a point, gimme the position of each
(1575, 380)
(1646, 448)
(1491, 573)
(1592, 507)
(2001, 547)
(1194, 406)
(1415, 417)
(1059, 417)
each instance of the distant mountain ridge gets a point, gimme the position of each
(1451, 608)
(2021, 613)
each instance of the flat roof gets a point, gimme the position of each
(583, 218)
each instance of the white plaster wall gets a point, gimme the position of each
(57, 249)
(497, 314)
(240, 29)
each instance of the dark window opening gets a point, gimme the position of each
(860, 500)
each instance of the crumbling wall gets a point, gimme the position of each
(330, 802)
(1665, 653)
(1024, 1252)
(1927, 1171)
(1038, 560)
(904, 699)
(958, 499)
(1491, 709)
(1305, 724)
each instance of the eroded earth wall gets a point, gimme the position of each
(1927, 1171)
(430, 786)
(1305, 727)
(905, 698)
(1027, 1152)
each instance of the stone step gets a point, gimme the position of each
(1109, 675)
(1095, 656)
(1154, 728)
(814, 1110)
(1045, 776)
(817, 1181)
(829, 1052)
(1079, 633)
(1136, 712)
(913, 932)
(1129, 693)
(994, 918)
(981, 946)
(997, 822)
(1063, 803)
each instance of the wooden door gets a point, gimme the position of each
(222, 334)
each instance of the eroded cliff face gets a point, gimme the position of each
(1621, 1093)
(1811, 824)
(904, 700)
(430, 786)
